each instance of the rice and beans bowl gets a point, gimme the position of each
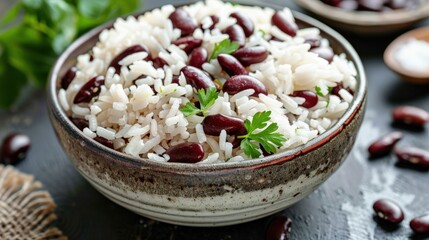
(206, 83)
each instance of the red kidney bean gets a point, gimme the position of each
(231, 65)
(188, 43)
(384, 145)
(175, 80)
(105, 142)
(324, 52)
(314, 41)
(279, 228)
(80, 123)
(416, 156)
(198, 57)
(89, 90)
(420, 224)
(159, 62)
(251, 55)
(198, 78)
(310, 97)
(334, 3)
(215, 20)
(183, 21)
(336, 90)
(240, 83)
(371, 5)
(130, 50)
(214, 124)
(14, 148)
(388, 211)
(410, 115)
(349, 5)
(186, 153)
(68, 77)
(236, 34)
(285, 25)
(400, 4)
(244, 22)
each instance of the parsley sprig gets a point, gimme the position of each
(226, 46)
(267, 136)
(206, 98)
(319, 91)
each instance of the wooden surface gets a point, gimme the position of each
(340, 209)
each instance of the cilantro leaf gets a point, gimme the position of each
(189, 109)
(206, 98)
(319, 91)
(226, 46)
(267, 136)
(250, 149)
(259, 121)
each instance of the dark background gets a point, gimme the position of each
(340, 209)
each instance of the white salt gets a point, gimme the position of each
(414, 55)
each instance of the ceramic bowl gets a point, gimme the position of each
(391, 60)
(213, 194)
(365, 22)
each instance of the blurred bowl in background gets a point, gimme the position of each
(392, 61)
(366, 22)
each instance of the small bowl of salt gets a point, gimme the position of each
(408, 55)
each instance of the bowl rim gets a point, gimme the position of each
(366, 18)
(201, 169)
(393, 64)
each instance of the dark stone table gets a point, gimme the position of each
(340, 209)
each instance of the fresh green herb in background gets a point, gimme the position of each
(267, 136)
(34, 32)
(226, 46)
(206, 98)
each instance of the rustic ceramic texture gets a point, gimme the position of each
(365, 22)
(208, 195)
(392, 63)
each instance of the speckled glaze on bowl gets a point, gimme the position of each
(208, 195)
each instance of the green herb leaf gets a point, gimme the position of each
(189, 109)
(206, 98)
(233, 4)
(11, 82)
(11, 15)
(29, 47)
(319, 91)
(267, 137)
(226, 46)
(250, 149)
(93, 8)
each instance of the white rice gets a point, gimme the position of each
(139, 109)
